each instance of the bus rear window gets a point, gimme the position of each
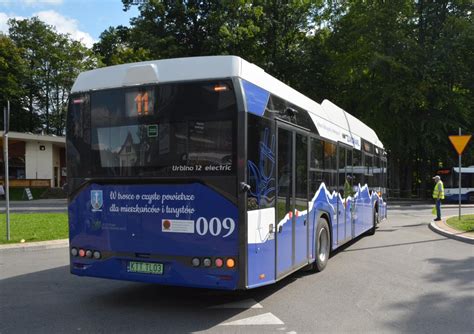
(169, 128)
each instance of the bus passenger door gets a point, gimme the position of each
(285, 203)
(292, 226)
(350, 188)
(301, 199)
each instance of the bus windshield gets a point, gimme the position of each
(179, 128)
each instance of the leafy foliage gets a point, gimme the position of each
(43, 69)
(404, 67)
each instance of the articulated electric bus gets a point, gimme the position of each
(209, 172)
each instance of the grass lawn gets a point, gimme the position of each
(466, 224)
(34, 227)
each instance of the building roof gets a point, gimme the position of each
(35, 137)
(331, 121)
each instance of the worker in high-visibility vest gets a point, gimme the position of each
(438, 195)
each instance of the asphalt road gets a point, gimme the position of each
(404, 279)
(37, 205)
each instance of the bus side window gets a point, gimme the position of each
(341, 169)
(316, 165)
(357, 168)
(330, 166)
(261, 163)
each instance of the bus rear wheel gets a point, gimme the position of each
(375, 222)
(323, 245)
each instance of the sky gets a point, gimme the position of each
(84, 20)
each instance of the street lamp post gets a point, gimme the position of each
(6, 121)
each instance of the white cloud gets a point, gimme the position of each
(4, 21)
(65, 25)
(42, 2)
(31, 3)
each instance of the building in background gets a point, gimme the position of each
(34, 160)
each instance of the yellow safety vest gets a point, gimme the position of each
(437, 193)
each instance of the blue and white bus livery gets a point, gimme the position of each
(208, 172)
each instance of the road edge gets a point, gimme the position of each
(31, 246)
(452, 235)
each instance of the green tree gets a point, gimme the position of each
(403, 68)
(115, 47)
(12, 76)
(53, 61)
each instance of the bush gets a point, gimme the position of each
(18, 194)
(54, 193)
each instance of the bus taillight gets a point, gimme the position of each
(74, 251)
(82, 252)
(219, 263)
(230, 263)
(207, 262)
(196, 262)
(97, 255)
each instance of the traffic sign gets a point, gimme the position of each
(460, 142)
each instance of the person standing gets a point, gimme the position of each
(348, 191)
(438, 195)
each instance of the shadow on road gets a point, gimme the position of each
(428, 313)
(56, 301)
(395, 245)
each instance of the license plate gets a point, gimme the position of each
(145, 268)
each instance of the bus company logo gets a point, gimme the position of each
(97, 200)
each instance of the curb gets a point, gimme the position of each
(61, 243)
(457, 236)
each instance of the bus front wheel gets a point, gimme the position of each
(323, 244)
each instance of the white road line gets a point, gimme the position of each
(246, 304)
(262, 319)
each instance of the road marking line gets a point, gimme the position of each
(246, 304)
(262, 319)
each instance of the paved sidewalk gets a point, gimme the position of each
(444, 229)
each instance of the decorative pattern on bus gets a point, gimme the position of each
(261, 238)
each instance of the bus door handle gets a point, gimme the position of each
(304, 222)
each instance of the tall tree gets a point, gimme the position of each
(12, 77)
(52, 61)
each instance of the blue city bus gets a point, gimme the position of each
(450, 179)
(208, 172)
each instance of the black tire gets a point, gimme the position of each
(375, 222)
(470, 197)
(322, 244)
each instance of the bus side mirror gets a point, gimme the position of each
(290, 112)
(244, 187)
